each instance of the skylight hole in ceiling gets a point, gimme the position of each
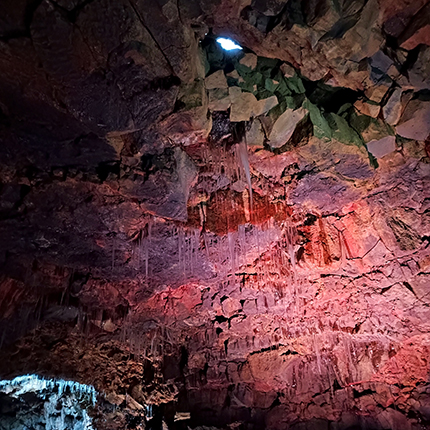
(228, 44)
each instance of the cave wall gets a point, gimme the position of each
(243, 236)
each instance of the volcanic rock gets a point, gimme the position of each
(216, 80)
(368, 109)
(216, 239)
(415, 121)
(382, 147)
(245, 105)
(284, 127)
(392, 111)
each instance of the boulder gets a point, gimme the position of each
(380, 148)
(381, 61)
(216, 80)
(285, 126)
(377, 92)
(366, 108)
(418, 30)
(322, 15)
(245, 105)
(419, 74)
(393, 108)
(219, 99)
(249, 60)
(242, 104)
(255, 135)
(415, 121)
(364, 39)
(264, 105)
(287, 70)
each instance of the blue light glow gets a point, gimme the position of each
(227, 44)
(24, 384)
(55, 404)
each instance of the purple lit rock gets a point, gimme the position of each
(380, 148)
(415, 121)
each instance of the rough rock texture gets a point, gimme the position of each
(242, 236)
(31, 402)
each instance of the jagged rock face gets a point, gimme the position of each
(239, 235)
(31, 402)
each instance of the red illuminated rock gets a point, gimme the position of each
(179, 231)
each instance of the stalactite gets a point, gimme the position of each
(206, 243)
(232, 252)
(243, 157)
(317, 354)
(242, 245)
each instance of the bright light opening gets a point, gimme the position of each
(227, 44)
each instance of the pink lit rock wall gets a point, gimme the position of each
(268, 273)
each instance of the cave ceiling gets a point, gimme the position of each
(240, 235)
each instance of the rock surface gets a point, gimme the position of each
(238, 239)
(380, 148)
